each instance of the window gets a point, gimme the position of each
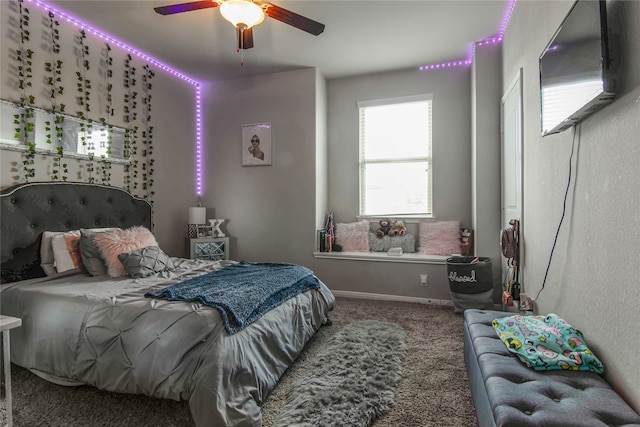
(97, 142)
(395, 156)
(100, 140)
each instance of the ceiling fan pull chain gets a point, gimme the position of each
(242, 46)
(240, 29)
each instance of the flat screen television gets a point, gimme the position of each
(576, 78)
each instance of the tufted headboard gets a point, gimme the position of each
(27, 210)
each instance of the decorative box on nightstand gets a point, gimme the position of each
(209, 248)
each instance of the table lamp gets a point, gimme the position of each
(197, 216)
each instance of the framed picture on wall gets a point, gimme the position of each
(256, 144)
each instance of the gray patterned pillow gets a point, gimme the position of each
(145, 262)
(91, 258)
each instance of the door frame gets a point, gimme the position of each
(516, 84)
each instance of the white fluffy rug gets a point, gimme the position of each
(352, 381)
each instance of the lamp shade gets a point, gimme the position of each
(197, 215)
(242, 12)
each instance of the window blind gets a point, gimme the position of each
(395, 156)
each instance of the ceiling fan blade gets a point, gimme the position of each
(185, 7)
(245, 38)
(293, 19)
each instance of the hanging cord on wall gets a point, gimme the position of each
(576, 130)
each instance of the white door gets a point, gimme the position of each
(511, 126)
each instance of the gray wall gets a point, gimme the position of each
(486, 78)
(312, 131)
(175, 154)
(322, 180)
(452, 171)
(451, 136)
(592, 280)
(271, 210)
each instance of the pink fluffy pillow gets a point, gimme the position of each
(110, 244)
(439, 237)
(353, 236)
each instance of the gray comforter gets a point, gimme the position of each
(103, 332)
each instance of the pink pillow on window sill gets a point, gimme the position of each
(439, 238)
(353, 236)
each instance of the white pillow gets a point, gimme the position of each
(66, 251)
(47, 260)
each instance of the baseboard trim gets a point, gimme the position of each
(386, 297)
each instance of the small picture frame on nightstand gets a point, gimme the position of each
(205, 231)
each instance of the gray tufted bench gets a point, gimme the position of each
(508, 393)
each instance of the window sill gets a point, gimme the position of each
(66, 154)
(408, 219)
(383, 257)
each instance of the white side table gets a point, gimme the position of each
(209, 248)
(7, 323)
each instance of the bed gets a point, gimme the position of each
(101, 331)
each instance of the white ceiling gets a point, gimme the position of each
(360, 36)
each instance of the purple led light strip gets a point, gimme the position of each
(151, 60)
(490, 40)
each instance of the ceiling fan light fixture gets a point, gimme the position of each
(243, 13)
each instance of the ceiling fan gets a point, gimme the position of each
(245, 14)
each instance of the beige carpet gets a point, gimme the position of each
(433, 390)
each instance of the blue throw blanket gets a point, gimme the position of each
(243, 292)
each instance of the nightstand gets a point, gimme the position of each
(7, 323)
(209, 248)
